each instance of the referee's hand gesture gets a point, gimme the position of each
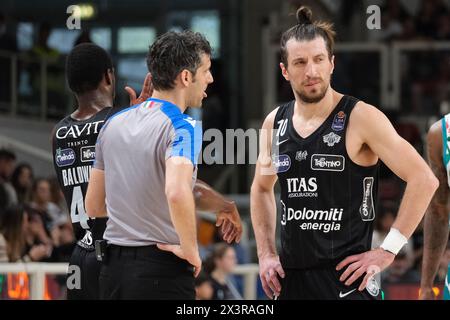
(146, 92)
(193, 258)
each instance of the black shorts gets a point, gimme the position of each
(324, 284)
(89, 271)
(145, 273)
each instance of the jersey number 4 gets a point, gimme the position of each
(77, 211)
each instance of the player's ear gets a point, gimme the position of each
(284, 71)
(332, 64)
(109, 76)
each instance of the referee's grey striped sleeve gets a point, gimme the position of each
(99, 163)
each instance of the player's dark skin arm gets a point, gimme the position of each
(207, 199)
(436, 229)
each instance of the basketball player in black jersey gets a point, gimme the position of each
(90, 75)
(324, 150)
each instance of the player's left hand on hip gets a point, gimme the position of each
(146, 92)
(368, 263)
(230, 223)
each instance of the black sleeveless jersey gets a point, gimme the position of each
(328, 203)
(73, 157)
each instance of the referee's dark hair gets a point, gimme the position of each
(174, 52)
(86, 65)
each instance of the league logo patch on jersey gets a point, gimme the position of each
(64, 157)
(87, 153)
(282, 163)
(331, 139)
(301, 155)
(339, 121)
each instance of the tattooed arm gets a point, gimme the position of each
(436, 228)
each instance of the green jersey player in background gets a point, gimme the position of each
(436, 224)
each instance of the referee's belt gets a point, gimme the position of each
(150, 254)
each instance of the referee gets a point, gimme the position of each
(145, 168)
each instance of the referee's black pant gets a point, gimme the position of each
(145, 273)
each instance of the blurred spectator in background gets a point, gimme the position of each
(241, 249)
(203, 287)
(394, 20)
(14, 228)
(396, 10)
(57, 196)
(409, 31)
(428, 16)
(409, 131)
(400, 271)
(443, 30)
(52, 216)
(443, 265)
(7, 43)
(37, 233)
(59, 240)
(3, 199)
(22, 181)
(41, 48)
(13, 225)
(392, 28)
(383, 224)
(219, 265)
(66, 233)
(55, 72)
(7, 163)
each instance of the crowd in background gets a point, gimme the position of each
(35, 222)
(35, 227)
(399, 21)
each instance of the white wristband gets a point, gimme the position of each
(394, 241)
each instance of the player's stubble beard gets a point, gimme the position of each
(313, 98)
